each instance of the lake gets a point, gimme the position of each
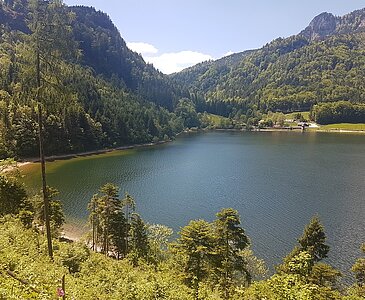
(276, 180)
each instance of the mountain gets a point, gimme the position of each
(95, 91)
(323, 63)
(326, 24)
(105, 51)
(217, 69)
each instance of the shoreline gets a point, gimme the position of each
(26, 161)
(286, 130)
(309, 130)
(340, 131)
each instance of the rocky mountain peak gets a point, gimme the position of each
(321, 26)
(326, 24)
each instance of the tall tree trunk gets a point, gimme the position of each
(43, 162)
(93, 225)
(226, 291)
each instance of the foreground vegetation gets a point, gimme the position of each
(28, 273)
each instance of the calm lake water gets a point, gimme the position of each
(276, 180)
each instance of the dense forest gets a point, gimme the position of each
(123, 257)
(94, 91)
(337, 112)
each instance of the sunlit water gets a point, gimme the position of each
(276, 180)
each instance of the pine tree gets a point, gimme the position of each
(138, 237)
(119, 230)
(231, 239)
(48, 44)
(196, 244)
(108, 204)
(359, 270)
(313, 240)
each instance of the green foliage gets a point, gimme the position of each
(109, 226)
(72, 255)
(107, 54)
(196, 243)
(292, 285)
(291, 74)
(158, 237)
(325, 275)
(185, 109)
(216, 254)
(26, 272)
(93, 276)
(231, 239)
(95, 100)
(57, 217)
(289, 287)
(139, 244)
(313, 240)
(338, 112)
(12, 195)
(273, 119)
(301, 276)
(116, 229)
(359, 271)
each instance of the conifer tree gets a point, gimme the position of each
(359, 270)
(196, 244)
(48, 44)
(313, 240)
(231, 239)
(138, 237)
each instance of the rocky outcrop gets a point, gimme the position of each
(326, 24)
(321, 26)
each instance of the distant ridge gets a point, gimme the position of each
(327, 24)
(325, 62)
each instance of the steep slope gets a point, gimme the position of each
(325, 62)
(107, 97)
(195, 76)
(105, 51)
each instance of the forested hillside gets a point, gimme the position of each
(105, 51)
(324, 63)
(95, 92)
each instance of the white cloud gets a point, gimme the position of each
(168, 62)
(176, 61)
(142, 48)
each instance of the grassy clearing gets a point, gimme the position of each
(290, 116)
(344, 126)
(216, 120)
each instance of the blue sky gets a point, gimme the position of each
(173, 34)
